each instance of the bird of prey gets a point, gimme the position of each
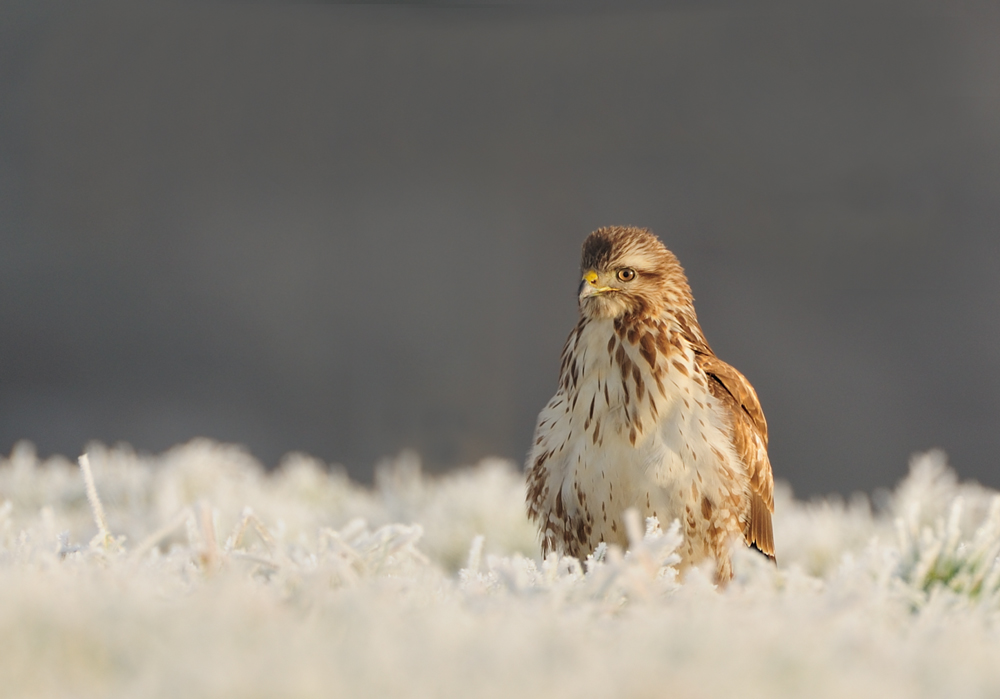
(647, 417)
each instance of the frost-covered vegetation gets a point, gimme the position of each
(206, 577)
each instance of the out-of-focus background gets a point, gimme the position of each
(350, 230)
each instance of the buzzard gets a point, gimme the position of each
(646, 416)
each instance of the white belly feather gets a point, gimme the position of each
(682, 464)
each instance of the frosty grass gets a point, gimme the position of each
(196, 574)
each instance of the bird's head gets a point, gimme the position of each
(628, 272)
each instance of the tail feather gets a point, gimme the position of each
(759, 534)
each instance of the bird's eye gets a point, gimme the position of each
(626, 275)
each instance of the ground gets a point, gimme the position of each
(210, 578)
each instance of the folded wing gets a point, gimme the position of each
(732, 389)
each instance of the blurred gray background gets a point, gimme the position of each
(349, 230)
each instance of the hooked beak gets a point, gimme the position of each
(589, 286)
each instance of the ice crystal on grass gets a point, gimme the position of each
(948, 534)
(610, 578)
(196, 574)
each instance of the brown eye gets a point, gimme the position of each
(626, 275)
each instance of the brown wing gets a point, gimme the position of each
(732, 389)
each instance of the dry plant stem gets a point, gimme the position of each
(104, 533)
(197, 520)
(247, 517)
(210, 551)
(263, 532)
(236, 536)
(259, 560)
(233, 541)
(163, 532)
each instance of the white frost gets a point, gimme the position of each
(208, 577)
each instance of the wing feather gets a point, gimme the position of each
(733, 390)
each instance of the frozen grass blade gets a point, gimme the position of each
(104, 538)
(209, 554)
(179, 520)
